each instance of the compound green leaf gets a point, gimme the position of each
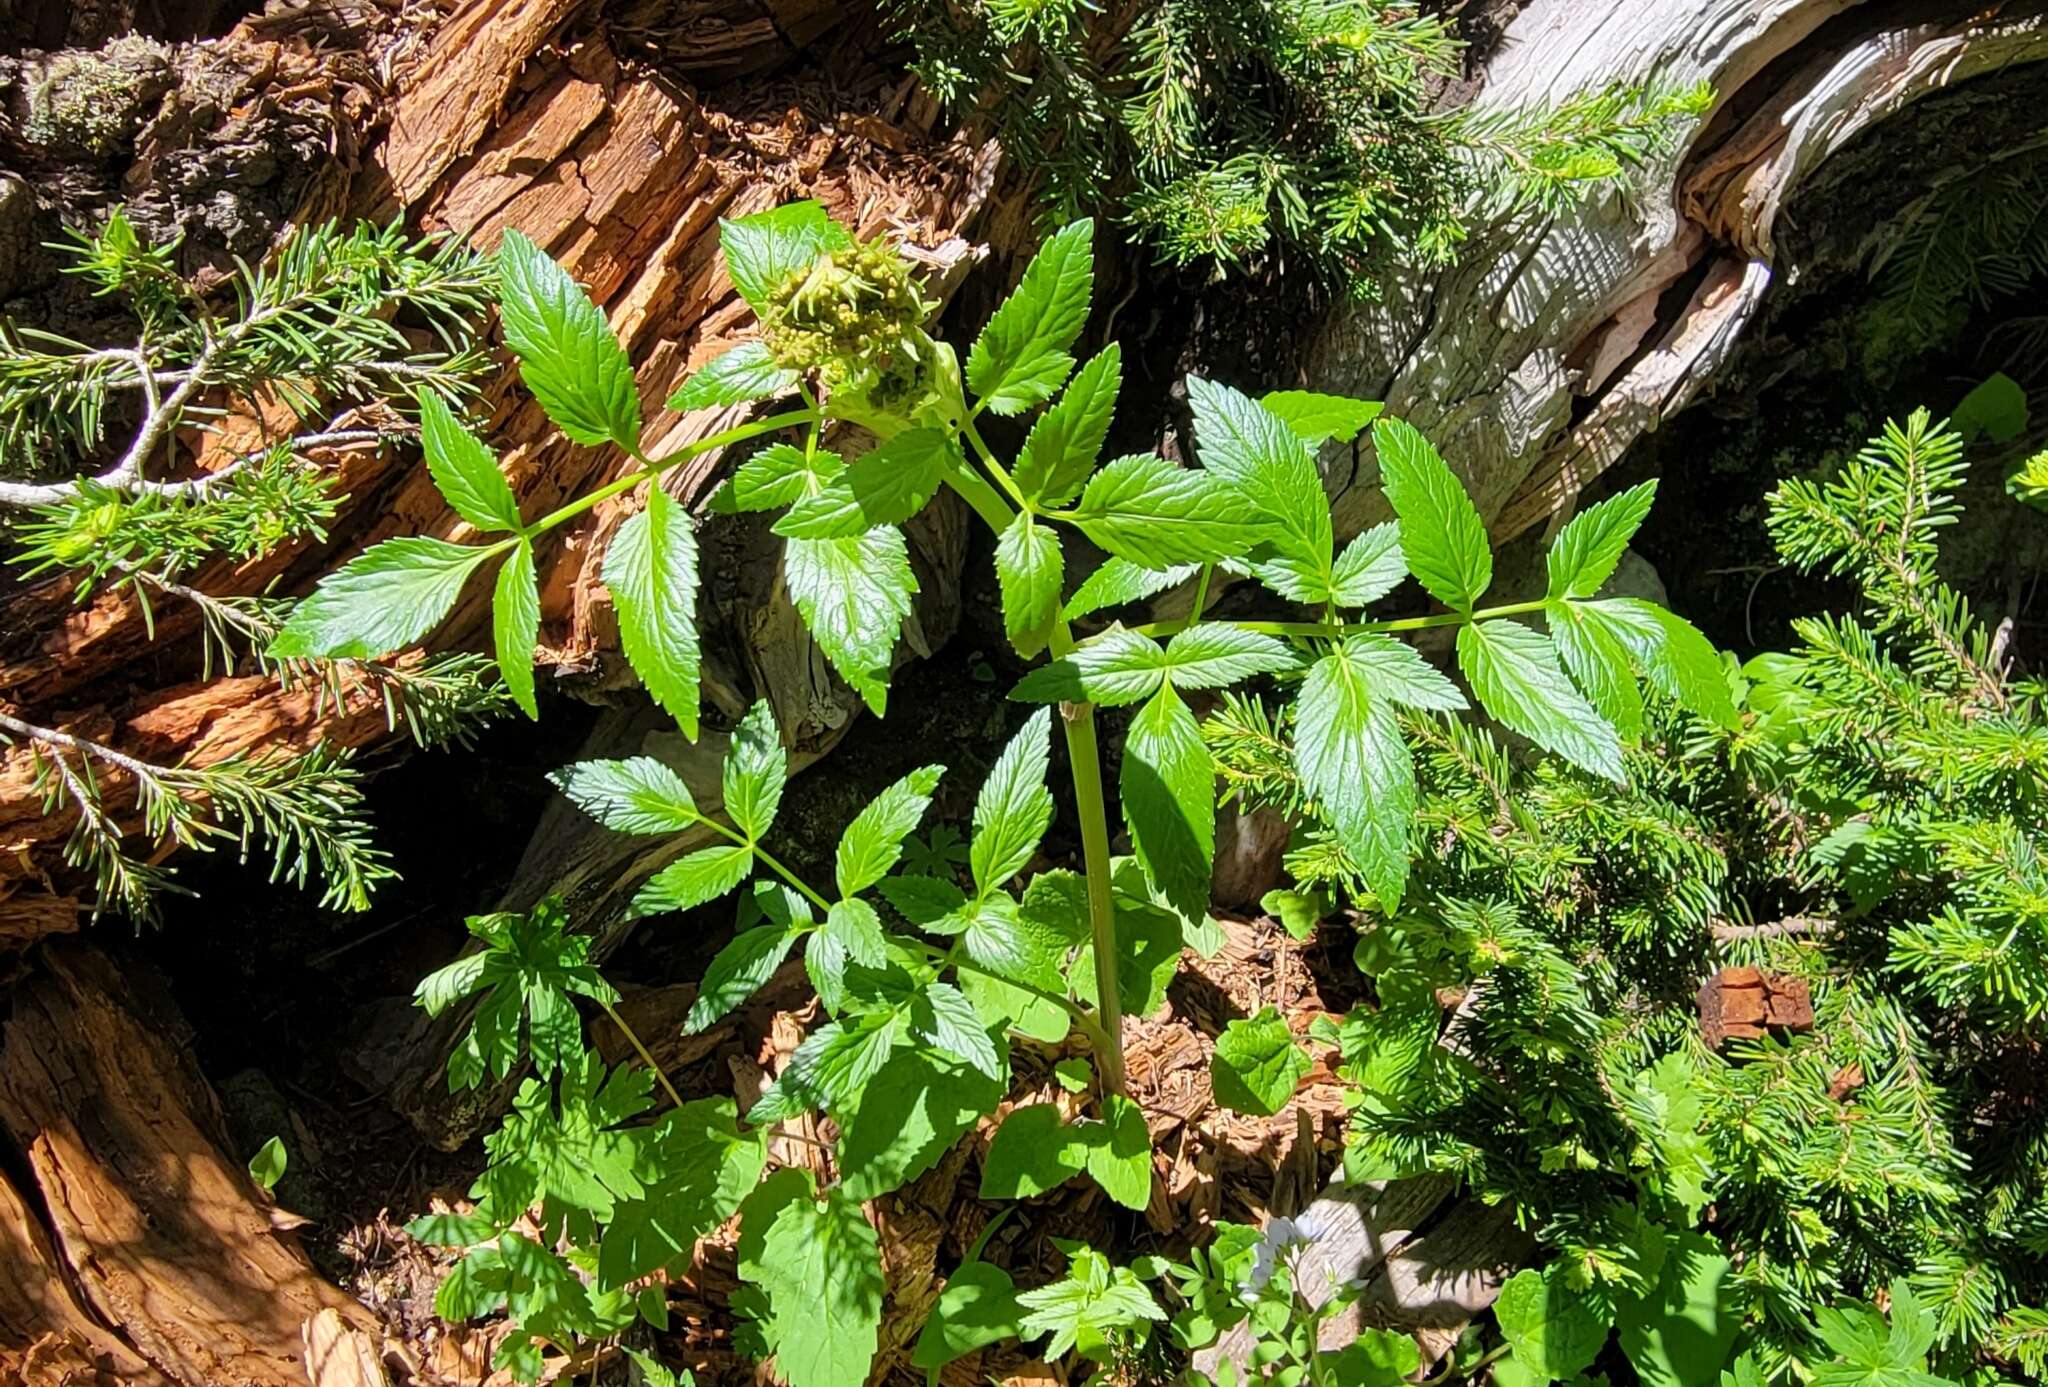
(1353, 761)
(1258, 1064)
(474, 1287)
(819, 1264)
(884, 486)
(1022, 355)
(385, 598)
(637, 795)
(1118, 666)
(515, 626)
(1442, 536)
(1094, 1302)
(1210, 655)
(1167, 786)
(1870, 1353)
(873, 842)
(688, 882)
(763, 250)
(464, 470)
(1028, 569)
(1316, 418)
(1513, 669)
(1586, 551)
(1396, 672)
(1370, 567)
(1157, 513)
(1116, 581)
(1063, 445)
(781, 474)
(651, 571)
(853, 595)
(747, 372)
(1014, 806)
(756, 768)
(530, 967)
(567, 355)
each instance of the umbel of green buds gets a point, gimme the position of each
(855, 315)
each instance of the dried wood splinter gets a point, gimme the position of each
(1744, 1003)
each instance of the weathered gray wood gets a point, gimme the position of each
(1493, 359)
(1442, 1281)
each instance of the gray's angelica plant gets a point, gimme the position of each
(925, 981)
(312, 328)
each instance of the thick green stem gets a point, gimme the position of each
(1084, 757)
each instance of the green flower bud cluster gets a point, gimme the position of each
(855, 316)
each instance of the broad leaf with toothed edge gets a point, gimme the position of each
(463, 468)
(515, 626)
(1014, 807)
(651, 572)
(853, 595)
(1353, 762)
(1442, 536)
(1514, 670)
(385, 598)
(567, 354)
(1022, 355)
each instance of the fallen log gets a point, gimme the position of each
(162, 1260)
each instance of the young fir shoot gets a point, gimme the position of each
(1296, 134)
(313, 329)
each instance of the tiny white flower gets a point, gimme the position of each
(1281, 1235)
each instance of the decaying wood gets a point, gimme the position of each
(46, 1335)
(339, 1354)
(1745, 1003)
(1552, 346)
(157, 1233)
